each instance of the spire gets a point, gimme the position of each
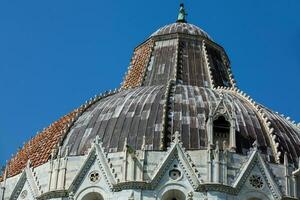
(182, 14)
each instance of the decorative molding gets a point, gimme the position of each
(53, 195)
(291, 122)
(207, 64)
(169, 91)
(217, 187)
(229, 69)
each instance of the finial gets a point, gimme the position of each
(130, 149)
(28, 164)
(176, 137)
(217, 146)
(286, 160)
(254, 145)
(182, 14)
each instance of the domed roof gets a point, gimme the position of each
(174, 84)
(137, 117)
(145, 117)
(180, 27)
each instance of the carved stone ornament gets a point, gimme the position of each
(174, 174)
(23, 194)
(190, 195)
(256, 181)
(94, 176)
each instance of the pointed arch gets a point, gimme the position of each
(173, 191)
(221, 130)
(91, 193)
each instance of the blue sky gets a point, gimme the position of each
(54, 55)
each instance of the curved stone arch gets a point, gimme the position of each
(88, 190)
(226, 116)
(172, 187)
(253, 195)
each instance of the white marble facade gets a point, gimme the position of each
(146, 175)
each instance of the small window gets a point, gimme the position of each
(221, 131)
(174, 174)
(94, 177)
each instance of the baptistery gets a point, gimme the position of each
(178, 128)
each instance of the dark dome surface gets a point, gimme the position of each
(145, 116)
(180, 27)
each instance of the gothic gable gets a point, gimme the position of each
(94, 170)
(222, 109)
(177, 156)
(26, 186)
(255, 176)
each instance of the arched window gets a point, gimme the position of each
(93, 196)
(221, 130)
(174, 195)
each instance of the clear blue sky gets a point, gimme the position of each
(54, 54)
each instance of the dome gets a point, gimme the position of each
(179, 27)
(160, 96)
(177, 86)
(138, 117)
(146, 118)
